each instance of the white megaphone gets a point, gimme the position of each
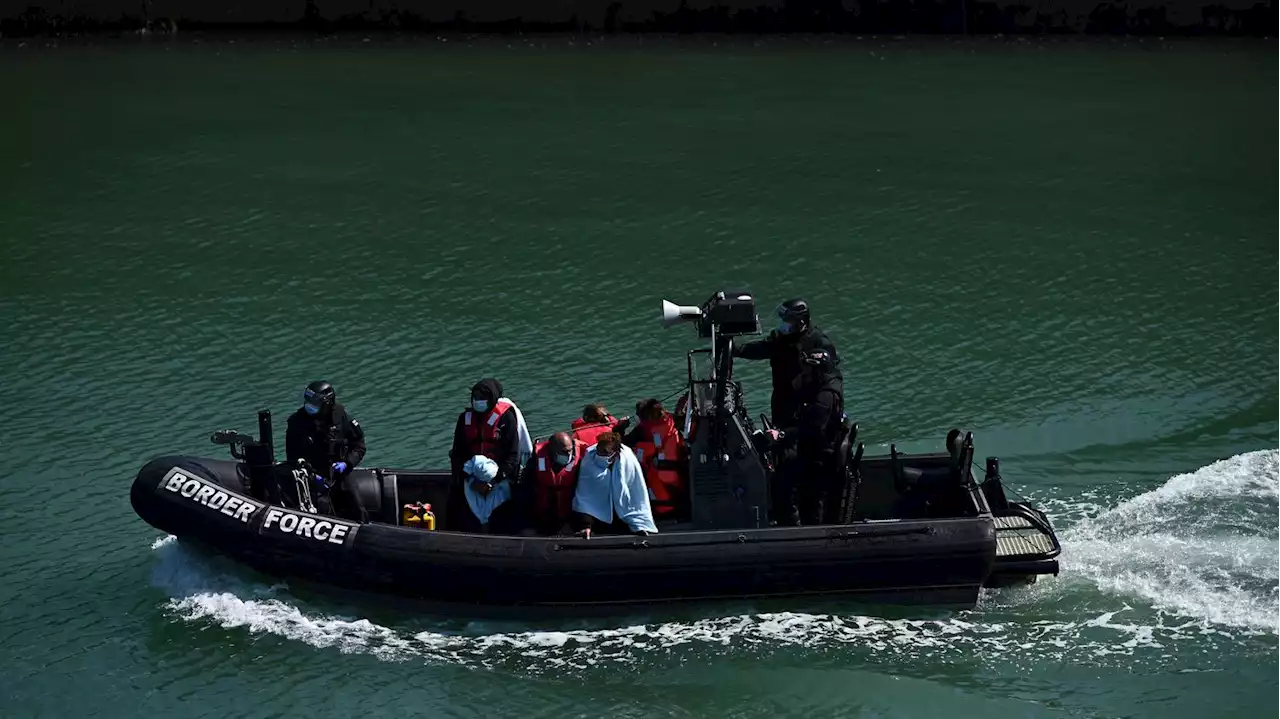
(673, 313)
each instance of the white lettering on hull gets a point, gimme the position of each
(210, 495)
(319, 529)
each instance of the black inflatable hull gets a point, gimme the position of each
(940, 562)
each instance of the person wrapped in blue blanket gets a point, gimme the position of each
(611, 497)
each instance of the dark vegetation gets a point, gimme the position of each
(956, 17)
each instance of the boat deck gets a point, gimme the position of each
(1018, 537)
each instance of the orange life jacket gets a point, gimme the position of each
(661, 452)
(553, 489)
(482, 431)
(589, 432)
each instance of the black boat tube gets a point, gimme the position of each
(938, 561)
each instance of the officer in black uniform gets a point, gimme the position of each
(322, 433)
(806, 448)
(785, 347)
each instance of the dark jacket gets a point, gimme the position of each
(323, 440)
(816, 426)
(785, 353)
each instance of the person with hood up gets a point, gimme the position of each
(611, 495)
(491, 444)
(806, 448)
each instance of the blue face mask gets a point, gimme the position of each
(784, 328)
(311, 409)
(563, 460)
(480, 405)
(603, 462)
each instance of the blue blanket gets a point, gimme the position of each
(485, 469)
(605, 489)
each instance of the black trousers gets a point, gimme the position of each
(344, 503)
(799, 490)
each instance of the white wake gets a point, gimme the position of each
(1192, 560)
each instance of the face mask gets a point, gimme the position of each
(311, 409)
(480, 405)
(784, 328)
(603, 462)
(562, 460)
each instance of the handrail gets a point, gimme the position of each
(1037, 520)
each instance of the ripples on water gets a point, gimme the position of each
(1017, 248)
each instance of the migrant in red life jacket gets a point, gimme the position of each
(492, 427)
(595, 421)
(664, 456)
(551, 478)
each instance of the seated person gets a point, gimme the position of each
(492, 428)
(547, 487)
(487, 497)
(663, 455)
(611, 494)
(595, 421)
(332, 442)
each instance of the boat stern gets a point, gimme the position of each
(1026, 544)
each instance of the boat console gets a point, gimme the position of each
(728, 473)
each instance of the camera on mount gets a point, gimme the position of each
(230, 437)
(725, 314)
(258, 453)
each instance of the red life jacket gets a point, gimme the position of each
(553, 489)
(589, 432)
(661, 452)
(482, 431)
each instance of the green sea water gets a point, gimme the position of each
(1068, 247)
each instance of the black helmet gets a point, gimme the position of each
(318, 397)
(794, 314)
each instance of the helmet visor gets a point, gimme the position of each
(791, 314)
(313, 401)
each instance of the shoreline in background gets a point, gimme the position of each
(264, 36)
(962, 18)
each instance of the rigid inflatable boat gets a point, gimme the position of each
(903, 528)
